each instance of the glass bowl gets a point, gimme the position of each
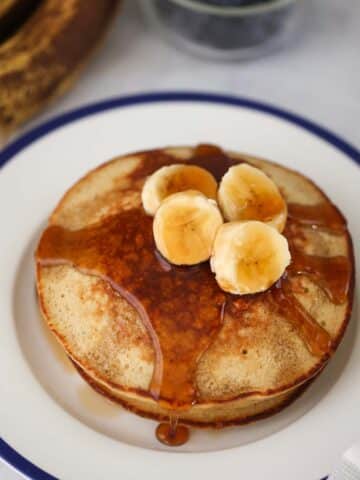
(226, 32)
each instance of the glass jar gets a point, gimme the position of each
(226, 31)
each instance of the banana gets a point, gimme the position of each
(175, 178)
(185, 226)
(42, 58)
(247, 193)
(248, 257)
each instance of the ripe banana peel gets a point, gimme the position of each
(41, 60)
(13, 14)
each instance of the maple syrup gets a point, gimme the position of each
(322, 214)
(171, 433)
(316, 338)
(183, 308)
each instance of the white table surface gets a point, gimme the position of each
(318, 76)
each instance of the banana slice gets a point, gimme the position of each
(248, 257)
(176, 178)
(247, 193)
(185, 226)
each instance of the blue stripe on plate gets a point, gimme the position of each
(21, 464)
(8, 453)
(92, 109)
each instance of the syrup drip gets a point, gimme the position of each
(210, 157)
(323, 215)
(183, 307)
(213, 159)
(317, 340)
(172, 434)
(332, 274)
(154, 160)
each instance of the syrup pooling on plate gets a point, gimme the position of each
(171, 433)
(181, 307)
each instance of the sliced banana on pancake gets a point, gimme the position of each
(248, 257)
(176, 178)
(185, 226)
(247, 193)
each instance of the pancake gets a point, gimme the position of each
(231, 412)
(266, 350)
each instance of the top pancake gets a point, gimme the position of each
(261, 355)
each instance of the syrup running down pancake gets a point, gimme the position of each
(165, 340)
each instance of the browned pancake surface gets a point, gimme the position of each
(255, 356)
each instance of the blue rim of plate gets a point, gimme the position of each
(7, 453)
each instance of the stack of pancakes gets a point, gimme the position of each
(252, 368)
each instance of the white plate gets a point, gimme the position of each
(48, 417)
